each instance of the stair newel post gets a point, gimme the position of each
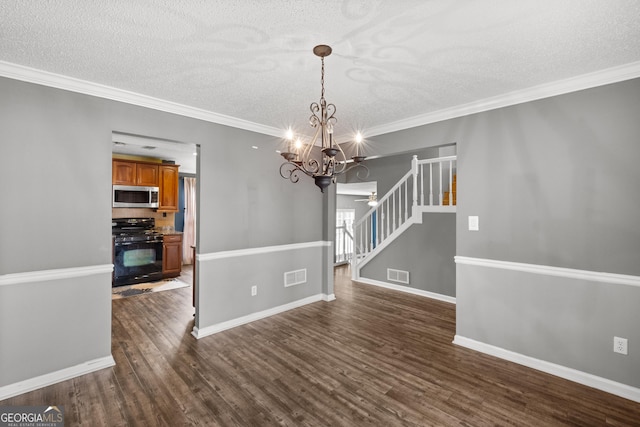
(414, 171)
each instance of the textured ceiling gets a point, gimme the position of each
(253, 60)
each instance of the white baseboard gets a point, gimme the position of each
(55, 377)
(219, 327)
(590, 380)
(407, 289)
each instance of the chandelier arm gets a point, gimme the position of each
(289, 171)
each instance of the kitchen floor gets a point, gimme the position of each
(185, 279)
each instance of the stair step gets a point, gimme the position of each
(445, 199)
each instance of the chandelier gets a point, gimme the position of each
(321, 157)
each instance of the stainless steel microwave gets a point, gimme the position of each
(130, 196)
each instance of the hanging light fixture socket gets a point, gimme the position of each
(330, 151)
(289, 156)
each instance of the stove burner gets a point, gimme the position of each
(134, 230)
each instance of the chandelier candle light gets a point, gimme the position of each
(322, 165)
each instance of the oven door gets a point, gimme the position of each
(137, 262)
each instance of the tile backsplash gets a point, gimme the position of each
(161, 220)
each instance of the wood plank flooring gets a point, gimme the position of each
(373, 357)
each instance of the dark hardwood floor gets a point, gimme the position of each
(373, 357)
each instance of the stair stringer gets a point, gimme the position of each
(416, 218)
(358, 264)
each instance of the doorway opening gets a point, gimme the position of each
(170, 169)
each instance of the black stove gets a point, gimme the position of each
(137, 250)
(134, 230)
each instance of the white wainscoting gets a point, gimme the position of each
(55, 377)
(600, 383)
(222, 326)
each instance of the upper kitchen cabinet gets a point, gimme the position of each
(123, 172)
(147, 175)
(168, 188)
(127, 172)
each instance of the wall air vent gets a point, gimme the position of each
(398, 276)
(296, 277)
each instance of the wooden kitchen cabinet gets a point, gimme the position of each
(171, 255)
(168, 188)
(147, 175)
(128, 172)
(123, 172)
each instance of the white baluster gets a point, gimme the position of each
(430, 184)
(393, 222)
(440, 185)
(406, 200)
(450, 183)
(414, 171)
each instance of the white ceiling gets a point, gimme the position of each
(251, 62)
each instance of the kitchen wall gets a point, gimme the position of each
(163, 219)
(56, 233)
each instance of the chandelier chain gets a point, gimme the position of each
(322, 78)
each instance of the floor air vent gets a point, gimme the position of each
(398, 276)
(296, 277)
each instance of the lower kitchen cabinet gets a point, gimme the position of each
(172, 255)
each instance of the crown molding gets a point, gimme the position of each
(560, 87)
(547, 90)
(32, 75)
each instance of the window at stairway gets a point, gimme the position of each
(346, 217)
(344, 246)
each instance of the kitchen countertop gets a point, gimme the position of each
(167, 232)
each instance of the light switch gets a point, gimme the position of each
(474, 223)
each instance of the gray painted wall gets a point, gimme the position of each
(50, 325)
(426, 251)
(225, 284)
(553, 183)
(56, 213)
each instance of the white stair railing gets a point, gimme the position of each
(429, 186)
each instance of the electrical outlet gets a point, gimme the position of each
(254, 291)
(620, 345)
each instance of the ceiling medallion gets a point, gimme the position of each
(320, 158)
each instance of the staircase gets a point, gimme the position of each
(429, 186)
